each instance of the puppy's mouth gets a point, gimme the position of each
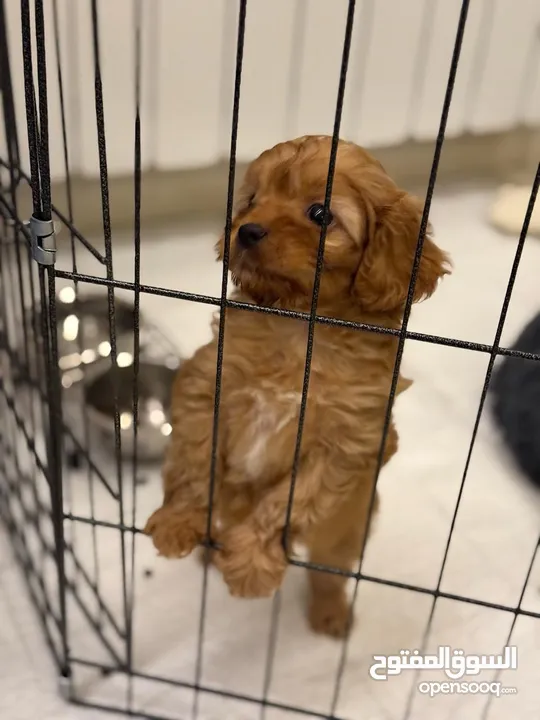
(265, 285)
(246, 262)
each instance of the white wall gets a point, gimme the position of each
(399, 65)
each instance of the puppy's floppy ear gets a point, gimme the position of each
(383, 277)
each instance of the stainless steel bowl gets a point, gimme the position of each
(154, 422)
(83, 336)
(86, 375)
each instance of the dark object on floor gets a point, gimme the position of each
(516, 393)
(74, 460)
(148, 573)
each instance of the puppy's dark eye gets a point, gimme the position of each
(316, 214)
(251, 201)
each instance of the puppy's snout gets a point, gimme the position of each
(250, 234)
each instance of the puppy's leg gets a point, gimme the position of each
(180, 524)
(252, 560)
(234, 507)
(337, 543)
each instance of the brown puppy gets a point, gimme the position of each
(368, 259)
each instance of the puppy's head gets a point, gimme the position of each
(371, 239)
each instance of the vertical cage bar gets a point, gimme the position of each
(80, 335)
(460, 33)
(10, 126)
(137, 9)
(106, 218)
(30, 105)
(55, 439)
(271, 652)
(241, 30)
(320, 260)
(276, 606)
(38, 142)
(43, 122)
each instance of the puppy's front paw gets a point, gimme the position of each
(252, 566)
(330, 614)
(176, 533)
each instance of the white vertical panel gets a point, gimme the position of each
(190, 35)
(13, 22)
(117, 71)
(497, 105)
(70, 58)
(150, 71)
(117, 52)
(356, 74)
(323, 47)
(531, 98)
(70, 81)
(56, 147)
(229, 32)
(266, 71)
(437, 67)
(390, 64)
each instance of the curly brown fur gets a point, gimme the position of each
(368, 259)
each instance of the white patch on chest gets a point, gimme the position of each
(268, 418)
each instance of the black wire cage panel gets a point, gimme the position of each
(42, 455)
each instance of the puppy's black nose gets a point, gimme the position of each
(250, 234)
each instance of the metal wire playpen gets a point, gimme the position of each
(37, 434)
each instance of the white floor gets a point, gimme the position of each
(495, 535)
